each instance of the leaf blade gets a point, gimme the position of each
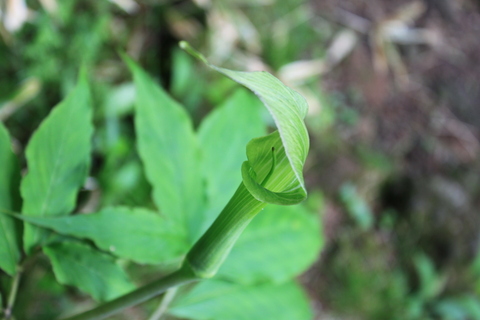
(169, 150)
(218, 300)
(90, 270)
(136, 234)
(58, 161)
(9, 178)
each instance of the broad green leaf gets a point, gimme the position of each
(9, 178)
(58, 157)
(288, 109)
(136, 234)
(223, 135)
(92, 271)
(279, 244)
(218, 300)
(169, 150)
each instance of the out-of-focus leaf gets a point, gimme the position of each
(459, 308)
(169, 150)
(184, 85)
(218, 300)
(280, 243)
(183, 73)
(137, 234)
(58, 161)
(431, 283)
(223, 135)
(9, 181)
(120, 100)
(356, 206)
(92, 271)
(26, 92)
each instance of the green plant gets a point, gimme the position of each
(192, 175)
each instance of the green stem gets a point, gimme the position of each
(12, 295)
(179, 277)
(208, 254)
(202, 261)
(167, 299)
(188, 48)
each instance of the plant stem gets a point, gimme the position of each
(202, 261)
(211, 250)
(179, 277)
(12, 295)
(167, 299)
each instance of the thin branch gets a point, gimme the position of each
(162, 308)
(140, 295)
(12, 295)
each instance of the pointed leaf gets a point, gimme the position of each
(58, 161)
(169, 150)
(92, 271)
(223, 135)
(9, 180)
(218, 300)
(136, 234)
(288, 109)
(279, 244)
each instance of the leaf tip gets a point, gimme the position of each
(131, 64)
(83, 74)
(184, 45)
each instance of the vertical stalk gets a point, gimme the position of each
(162, 308)
(208, 254)
(12, 295)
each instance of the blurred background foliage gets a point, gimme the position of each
(394, 93)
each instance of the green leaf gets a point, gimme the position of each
(290, 145)
(356, 206)
(218, 300)
(184, 84)
(223, 135)
(136, 234)
(92, 271)
(58, 157)
(431, 282)
(119, 100)
(279, 244)
(169, 150)
(459, 307)
(9, 179)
